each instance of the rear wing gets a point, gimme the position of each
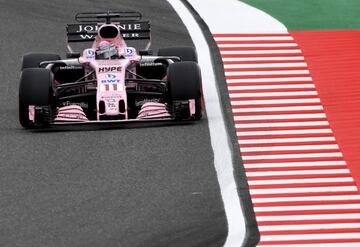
(88, 31)
(129, 23)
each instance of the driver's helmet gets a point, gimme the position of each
(106, 50)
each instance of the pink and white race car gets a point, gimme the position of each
(111, 81)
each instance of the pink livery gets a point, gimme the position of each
(110, 81)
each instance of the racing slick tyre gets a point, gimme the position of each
(184, 82)
(33, 60)
(186, 53)
(35, 90)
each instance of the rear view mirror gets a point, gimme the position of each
(73, 54)
(145, 52)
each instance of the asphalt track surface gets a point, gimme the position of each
(149, 186)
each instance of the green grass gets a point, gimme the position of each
(312, 14)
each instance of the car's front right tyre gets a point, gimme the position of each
(35, 90)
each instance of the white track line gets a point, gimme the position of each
(284, 124)
(307, 198)
(219, 137)
(297, 164)
(277, 109)
(328, 236)
(256, 59)
(284, 132)
(265, 65)
(302, 237)
(307, 207)
(273, 94)
(257, 52)
(301, 181)
(272, 72)
(259, 45)
(286, 140)
(270, 80)
(285, 148)
(353, 244)
(303, 190)
(258, 38)
(290, 156)
(297, 172)
(275, 101)
(280, 116)
(262, 87)
(309, 227)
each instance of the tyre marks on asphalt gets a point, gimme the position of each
(302, 190)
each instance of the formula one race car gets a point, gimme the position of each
(109, 82)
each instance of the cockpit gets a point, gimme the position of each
(109, 44)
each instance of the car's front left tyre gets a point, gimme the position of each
(184, 84)
(185, 53)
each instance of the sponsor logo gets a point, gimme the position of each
(129, 52)
(128, 27)
(110, 76)
(111, 105)
(122, 27)
(150, 64)
(141, 102)
(70, 67)
(87, 28)
(131, 35)
(109, 69)
(125, 36)
(90, 54)
(109, 98)
(81, 104)
(110, 81)
(87, 36)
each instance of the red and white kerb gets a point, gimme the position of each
(302, 190)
